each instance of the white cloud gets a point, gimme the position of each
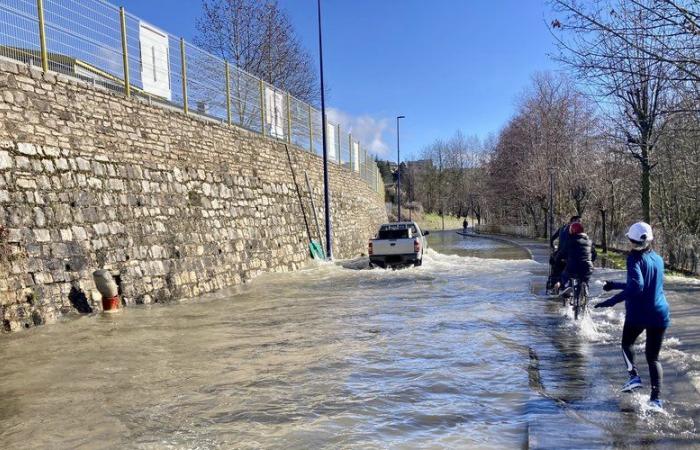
(366, 129)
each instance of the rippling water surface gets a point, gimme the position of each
(457, 353)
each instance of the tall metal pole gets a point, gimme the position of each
(398, 164)
(551, 204)
(125, 52)
(228, 92)
(183, 58)
(42, 36)
(326, 187)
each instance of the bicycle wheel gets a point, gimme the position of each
(577, 301)
(584, 298)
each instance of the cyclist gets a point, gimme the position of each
(580, 254)
(557, 260)
(646, 308)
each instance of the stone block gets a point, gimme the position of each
(27, 149)
(6, 161)
(26, 183)
(42, 235)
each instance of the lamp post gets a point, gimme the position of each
(398, 163)
(550, 227)
(326, 188)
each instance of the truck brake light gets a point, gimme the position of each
(416, 246)
(369, 248)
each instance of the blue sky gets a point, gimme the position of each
(446, 65)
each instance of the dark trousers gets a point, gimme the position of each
(655, 337)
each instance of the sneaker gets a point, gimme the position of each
(633, 383)
(656, 404)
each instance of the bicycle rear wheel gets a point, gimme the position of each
(584, 298)
(577, 301)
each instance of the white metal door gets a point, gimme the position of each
(274, 112)
(331, 142)
(155, 67)
(356, 156)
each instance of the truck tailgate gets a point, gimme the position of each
(392, 246)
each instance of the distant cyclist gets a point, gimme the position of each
(646, 308)
(557, 259)
(562, 234)
(579, 254)
(465, 225)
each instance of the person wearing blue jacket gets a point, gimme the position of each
(646, 308)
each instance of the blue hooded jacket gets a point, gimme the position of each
(643, 294)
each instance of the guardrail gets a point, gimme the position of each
(103, 44)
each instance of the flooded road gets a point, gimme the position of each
(460, 352)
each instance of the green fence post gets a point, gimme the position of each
(228, 93)
(42, 36)
(185, 105)
(125, 52)
(289, 118)
(311, 132)
(262, 107)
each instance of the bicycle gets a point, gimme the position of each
(554, 277)
(579, 302)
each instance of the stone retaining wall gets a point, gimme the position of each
(174, 205)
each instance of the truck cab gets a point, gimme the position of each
(398, 244)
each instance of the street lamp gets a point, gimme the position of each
(398, 162)
(550, 228)
(326, 188)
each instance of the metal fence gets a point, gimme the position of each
(105, 45)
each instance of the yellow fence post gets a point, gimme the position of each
(311, 131)
(184, 76)
(42, 36)
(125, 52)
(262, 107)
(289, 118)
(228, 93)
(340, 147)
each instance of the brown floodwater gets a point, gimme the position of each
(457, 353)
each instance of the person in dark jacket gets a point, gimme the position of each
(580, 253)
(562, 234)
(579, 256)
(646, 308)
(557, 260)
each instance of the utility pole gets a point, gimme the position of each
(551, 203)
(442, 198)
(326, 187)
(398, 163)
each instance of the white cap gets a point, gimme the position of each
(640, 232)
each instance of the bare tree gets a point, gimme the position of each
(617, 66)
(258, 37)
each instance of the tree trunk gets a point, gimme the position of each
(646, 190)
(605, 236)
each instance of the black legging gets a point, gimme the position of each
(655, 337)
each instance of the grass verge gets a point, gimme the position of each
(432, 221)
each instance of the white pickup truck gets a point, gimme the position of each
(397, 244)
